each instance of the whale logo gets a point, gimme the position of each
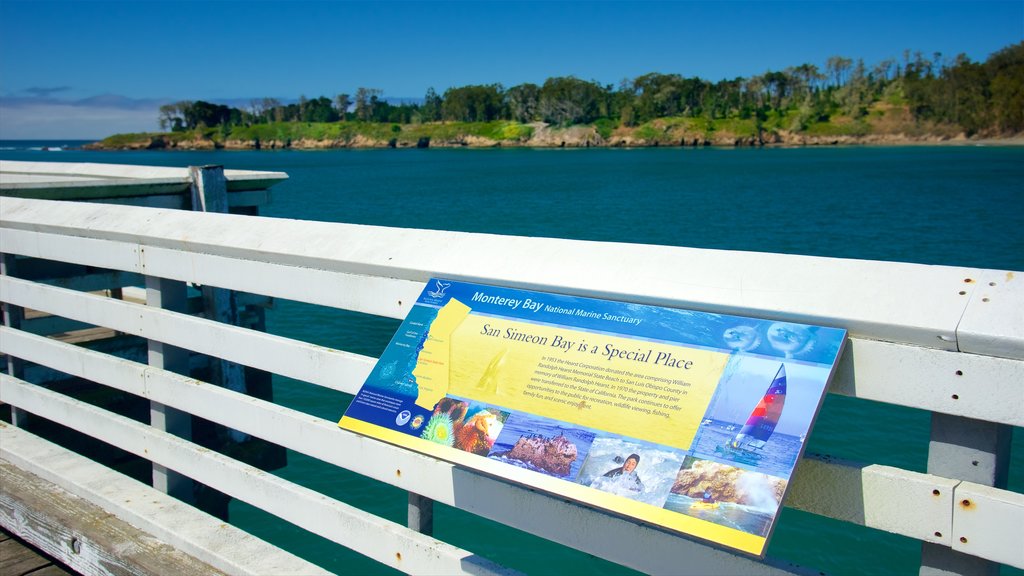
(441, 287)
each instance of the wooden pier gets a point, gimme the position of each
(947, 340)
(18, 559)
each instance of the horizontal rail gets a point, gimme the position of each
(907, 503)
(32, 178)
(948, 382)
(179, 201)
(989, 523)
(615, 539)
(196, 533)
(898, 501)
(889, 301)
(335, 369)
(384, 541)
(944, 339)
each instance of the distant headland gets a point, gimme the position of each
(917, 100)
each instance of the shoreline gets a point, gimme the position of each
(471, 142)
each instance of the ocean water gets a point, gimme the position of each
(958, 206)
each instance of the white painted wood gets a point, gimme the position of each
(167, 295)
(372, 295)
(898, 374)
(877, 496)
(85, 189)
(994, 320)
(194, 532)
(178, 202)
(76, 250)
(326, 367)
(381, 296)
(15, 174)
(81, 535)
(382, 540)
(989, 523)
(970, 385)
(13, 317)
(615, 539)
(906, 321)
(882, 497)
(887, 301)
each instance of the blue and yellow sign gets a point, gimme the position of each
(688, 420)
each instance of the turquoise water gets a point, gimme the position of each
(934, 205)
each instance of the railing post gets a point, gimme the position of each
(210, 194)
(169, 295)
(12, 318)
(421, 514)
(973, 451)
(209, 189)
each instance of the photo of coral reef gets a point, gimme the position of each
(726, 495)
(542, 445)
(465, 425)
(633, 469)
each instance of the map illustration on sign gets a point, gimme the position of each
(691, 421)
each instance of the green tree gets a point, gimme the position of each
(838, 67)
(568, 100)
(319, 110)
(432, 106)
(366, 98)
(172, 116)
(478, 103)
(522, 102)
(342, 102)
(1006, 70)
(855, 96)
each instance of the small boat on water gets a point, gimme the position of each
(761, 423)
(702, 505)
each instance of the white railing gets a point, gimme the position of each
(942, 339)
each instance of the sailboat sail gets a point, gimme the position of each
(761, 423)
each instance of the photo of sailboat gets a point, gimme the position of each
(763, 418)
(759, 413)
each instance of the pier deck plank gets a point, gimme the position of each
(18, 559)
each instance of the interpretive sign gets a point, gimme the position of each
(688, 420)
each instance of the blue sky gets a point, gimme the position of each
(89, 68)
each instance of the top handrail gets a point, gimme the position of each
(54, 180)
(915, 304)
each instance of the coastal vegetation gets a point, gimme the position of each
(914, 98)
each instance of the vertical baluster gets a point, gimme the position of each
(421, 514)
(973, 451)
(12, 318)
(169, 295)
(210, 194)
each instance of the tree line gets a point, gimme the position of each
(980, 97)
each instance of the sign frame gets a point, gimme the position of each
(690, 421)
